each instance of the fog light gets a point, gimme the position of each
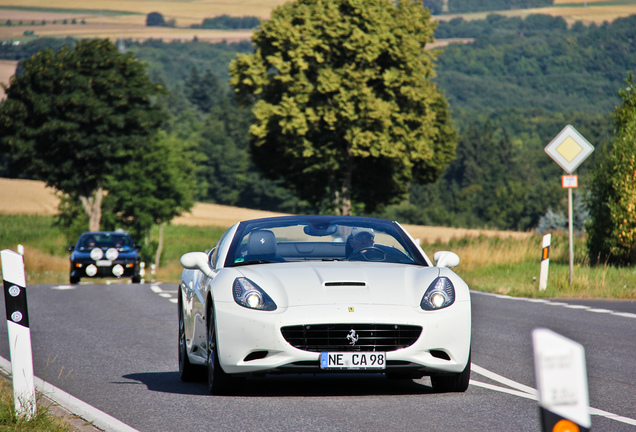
(112, 254)
(118, 270)
(91, 270)
(97, 254)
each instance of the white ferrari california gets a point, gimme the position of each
(322, 294)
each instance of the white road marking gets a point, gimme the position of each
(63, 287)
(555, 303)
(524, 391)
(502, 389)
(503, 380)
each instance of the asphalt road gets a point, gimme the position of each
(115, 347)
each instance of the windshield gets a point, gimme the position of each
(325, 238)
(105, 241)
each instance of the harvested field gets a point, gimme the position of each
(27, 197)
(7, 70)
(597, 11)
(115, 19)
(33, 197)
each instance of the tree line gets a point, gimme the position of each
(510, 92)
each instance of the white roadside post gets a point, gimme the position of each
(569, 149)
(545, 262)
(19, 333)
(561, 377)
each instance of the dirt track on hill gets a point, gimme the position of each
(33, 197)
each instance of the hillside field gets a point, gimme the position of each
(116, 19)
(34, 198)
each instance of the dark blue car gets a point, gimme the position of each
(105, 254)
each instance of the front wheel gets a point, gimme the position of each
(455, 383)
(219, 382)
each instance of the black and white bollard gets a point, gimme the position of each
(561, 374)
(19, 333)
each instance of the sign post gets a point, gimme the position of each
(569, 149)
(561, 376)
(19, 333)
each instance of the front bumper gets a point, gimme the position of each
(252, 342)
(95, 269)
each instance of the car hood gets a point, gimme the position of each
(322, 283)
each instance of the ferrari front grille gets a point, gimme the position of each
(351, 337)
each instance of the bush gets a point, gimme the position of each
(612, 226)
(155, 19)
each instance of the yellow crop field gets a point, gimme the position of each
(114, 19)
(587, 11)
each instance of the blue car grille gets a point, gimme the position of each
(351, 337)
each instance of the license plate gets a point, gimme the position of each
(103, 263)
(353, 360)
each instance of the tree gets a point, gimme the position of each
(156, 185)
(345, 111)
(77, 116)
(155, 19)
(205, 91)
(612, 226)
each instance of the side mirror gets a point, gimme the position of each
(196, 261)
(446, 259)
(71, 248)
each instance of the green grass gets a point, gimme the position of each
(32, 231)
(43, 421)
(504, 266)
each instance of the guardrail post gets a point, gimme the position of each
(19, 333)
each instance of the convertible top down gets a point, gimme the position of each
(318, 294)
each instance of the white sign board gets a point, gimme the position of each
(569, 149)
(561, 376)
(570, 181)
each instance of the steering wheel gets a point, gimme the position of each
(368, 253)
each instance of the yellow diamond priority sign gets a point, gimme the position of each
(569, 149)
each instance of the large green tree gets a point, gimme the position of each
(74, 117)
(612, 202)
(345, 110)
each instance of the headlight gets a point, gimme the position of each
(251, 296)
(439, 295)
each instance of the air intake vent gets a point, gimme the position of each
(338, 337)
(345, 284)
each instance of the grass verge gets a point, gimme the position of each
(506, 266)
(43, 421)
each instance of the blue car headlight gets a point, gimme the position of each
(440, 294)
(249, 295)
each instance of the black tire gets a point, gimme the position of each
(455, 383)
(219, 382)
(136, 279)
(187, 371)
(74, 280)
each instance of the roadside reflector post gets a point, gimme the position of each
(561, 376)
(545, 262)
(19, 333)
